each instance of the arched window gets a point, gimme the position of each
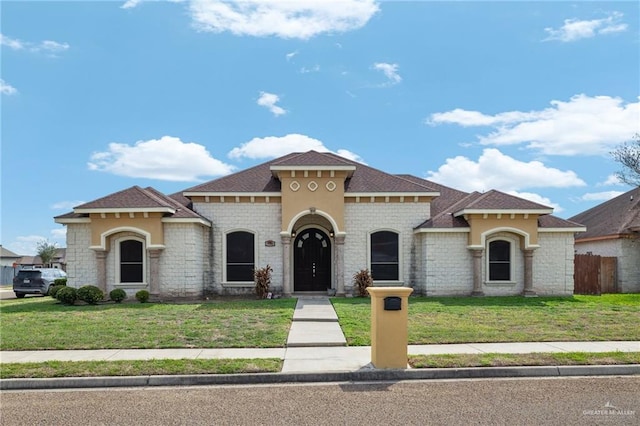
(240, 256)
(384, 256)
(131, 261)
(499, 260)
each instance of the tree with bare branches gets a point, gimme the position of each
(628, 154)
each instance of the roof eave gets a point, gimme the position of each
(126, 210)
(65, 221)
(391, 194)
(231, 194)
(441, 230)
(503, 211)
(568, 229)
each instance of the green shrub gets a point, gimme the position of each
(67, 295)
(262, 279)
(361, 280)
(117, 295)
(60, 281)
(54, 289)
(142, 296)
(90, 294)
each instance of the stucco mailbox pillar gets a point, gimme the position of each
(389, 330)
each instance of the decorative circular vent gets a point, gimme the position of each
(331, 186)
(294, 186)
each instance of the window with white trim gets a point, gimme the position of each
(131, 261)
(500, 260)
(385, 256)
(240, 256)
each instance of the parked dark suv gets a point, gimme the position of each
(35, 281)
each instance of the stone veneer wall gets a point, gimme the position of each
(448, 268)
(628, 253)
(264, 219)
(184, 263)
(363, 218)
(81, 261)
(553, 264)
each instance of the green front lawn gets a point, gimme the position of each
(503, 319)
(43, 323)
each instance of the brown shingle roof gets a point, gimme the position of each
(133, 199)
(260, 178)
(618, 216)
(496, 200)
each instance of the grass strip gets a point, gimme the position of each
(533, 359)
(50, 369)
(435, 320)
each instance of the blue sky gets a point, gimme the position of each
(525, 97)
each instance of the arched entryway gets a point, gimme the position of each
(312, 260)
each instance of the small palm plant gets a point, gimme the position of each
(262, 279)
(361, 280)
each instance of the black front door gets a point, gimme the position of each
(312, 261)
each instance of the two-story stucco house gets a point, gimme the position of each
(317, 219)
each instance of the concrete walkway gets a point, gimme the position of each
(315, 344)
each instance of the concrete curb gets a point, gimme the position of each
(352, 376)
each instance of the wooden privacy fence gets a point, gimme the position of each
(595, 274)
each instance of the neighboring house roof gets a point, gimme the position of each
(362, 179)
(136, 199)
(8, 254)
(614, 218)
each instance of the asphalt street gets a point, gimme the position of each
(557, 401)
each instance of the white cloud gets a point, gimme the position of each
(290, 55)
(537, 198)
(6, 88)
(28, 245)
(66, 205)
(390, 71)
(305, 70)
(51, 46)
(129, 4)
(59, 234)
(583, 125)
(48, 46)
(277, 146)
(269, 100)
(285, 19)
(600, 196)
(13, 43)
(495, 170)
(167, 158)
(576, 29)
(611, 180)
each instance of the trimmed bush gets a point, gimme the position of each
(117, 295)
(60, 281)
(142, 296)
(54, 289)
(67, 295)
(90, 294)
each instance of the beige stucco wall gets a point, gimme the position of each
(107, 223)
(312, 189)
(480, 225)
